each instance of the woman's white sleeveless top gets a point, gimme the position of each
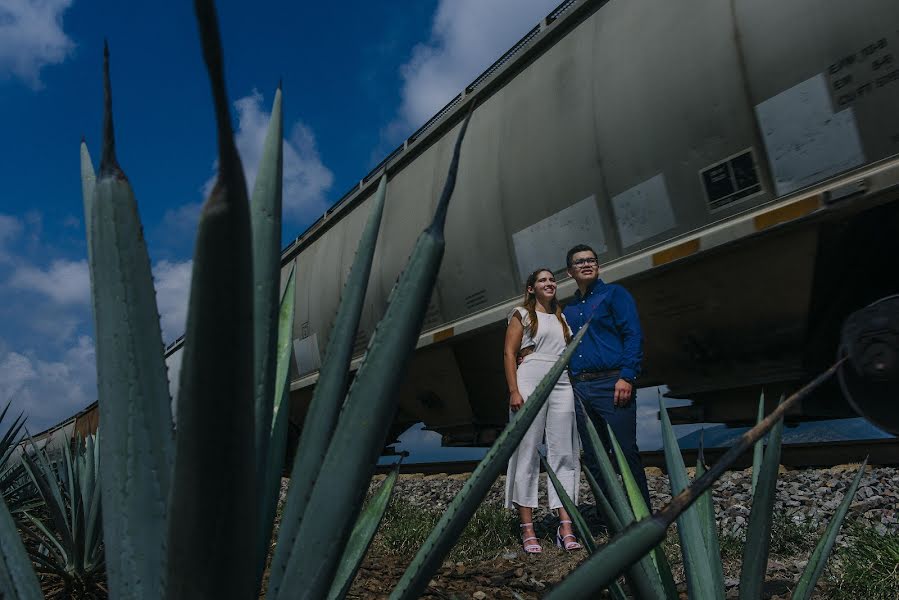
(550, 338)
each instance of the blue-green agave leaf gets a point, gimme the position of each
(634, 497)
(818, 559)
(277, 447)
(44, 478)
(329, 393)
(706, 508)
(213, 523)
(580, 525)
(689, 527)
(265, 218)
(464, 505)
(369, 409)
(758, 533)
(362, 536)
(17, 578)
(88, 183)
(601, 569)
(616, 494)
(662, 578)
(602, 504)
(132, 382)
(758, 449)
(51, 542)
(641, 577)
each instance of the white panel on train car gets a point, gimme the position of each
(643, 211)
(545, 243)
(806, 140)
(306, 354)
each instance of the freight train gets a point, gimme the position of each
(734, 164)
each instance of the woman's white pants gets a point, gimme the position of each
(555, 421)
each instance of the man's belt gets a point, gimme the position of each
(590, 375)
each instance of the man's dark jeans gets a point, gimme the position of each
(597, 397)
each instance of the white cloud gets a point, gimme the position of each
(32, 37)
(65, 281)
(182, 220)
(467, 36)
(47, 390)
(172, 282)
(10, 229)
(306, 179)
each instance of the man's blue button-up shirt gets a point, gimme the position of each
(614, 340)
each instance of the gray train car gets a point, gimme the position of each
(733, 163)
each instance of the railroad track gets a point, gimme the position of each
(882, 452)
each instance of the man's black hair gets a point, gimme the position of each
(576, 249)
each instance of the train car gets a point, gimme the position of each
(734, 164)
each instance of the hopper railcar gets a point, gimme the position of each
(733, 163)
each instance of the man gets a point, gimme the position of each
(606, 364)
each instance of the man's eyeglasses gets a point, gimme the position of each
(584, 262)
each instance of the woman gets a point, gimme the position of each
(539, 323)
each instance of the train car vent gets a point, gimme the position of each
(479, 298)
(734, 178)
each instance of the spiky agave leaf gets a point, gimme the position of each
(277, 446)
(758, 449)
(72, 535)
(265, 218)
(132, 381)
(577, 519)
(642, 576)
(598, 571)
(88, 184)
(362, 536)
(44, 477)
(689, 527)
(758, 532)
(641, 511)
(369, 409)
(818, 559)
(602, 503)
(17, 577)
(580, 524)
(466, 502)
(214, 513)
(705, 506)
(12, 437)
(329, 393)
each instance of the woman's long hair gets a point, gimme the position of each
(530, 304)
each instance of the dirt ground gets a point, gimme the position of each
(501, 577)
(511, 575)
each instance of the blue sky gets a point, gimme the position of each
(358, 78)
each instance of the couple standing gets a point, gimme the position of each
(600, 379)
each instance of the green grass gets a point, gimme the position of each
(869, 566)
(788, 538)
(405, 527)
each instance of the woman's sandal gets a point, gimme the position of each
(530, 548)
(560, 539)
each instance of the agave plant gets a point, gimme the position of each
(15, 487)
(697, 527)
(64, 539)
